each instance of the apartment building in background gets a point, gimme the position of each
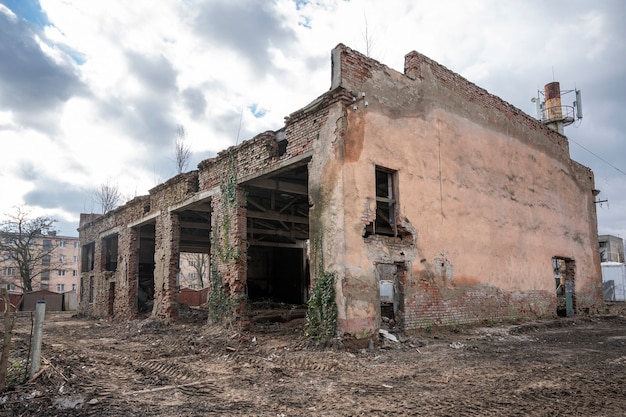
(57, 272)
(611, 248)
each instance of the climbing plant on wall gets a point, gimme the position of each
(220, 304)
(227, 250)
(321, 314)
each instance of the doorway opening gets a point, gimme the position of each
(391, 280)
(277, 233)
(277, 274)
(565, 282)
(145, 268)
(111, 298)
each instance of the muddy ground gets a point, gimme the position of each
(569, 366)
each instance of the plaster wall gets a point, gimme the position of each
(488, 198)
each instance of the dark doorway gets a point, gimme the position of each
(391, 279)
(111, 298)
(277, 214)
(145, 268)
(565, 279)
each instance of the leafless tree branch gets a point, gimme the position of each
(183, 151)
(108, 196)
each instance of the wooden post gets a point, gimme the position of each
(35, 354)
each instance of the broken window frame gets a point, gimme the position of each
(385, 222)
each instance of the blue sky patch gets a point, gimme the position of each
(29, 10)
(257, 111)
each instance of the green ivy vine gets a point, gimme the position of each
(321, 313)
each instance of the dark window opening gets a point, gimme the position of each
(282, 147)
(386, 202)
(87, 263)
(110, 253)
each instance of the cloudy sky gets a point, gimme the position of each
(93, 91)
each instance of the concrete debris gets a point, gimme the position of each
(69, 402)
(384, 333)
(457, 345)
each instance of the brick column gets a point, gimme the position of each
(166, 258)
(228, 241)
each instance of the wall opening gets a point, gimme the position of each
(110, 252)
(565, 282)
(111, 310)
(277, 274)
(391, 279)
(87, 259)
(277, 232)
(386, 191)
(145, 268)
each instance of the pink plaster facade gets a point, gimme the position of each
(486, 194)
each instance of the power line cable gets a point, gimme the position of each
(600, 158)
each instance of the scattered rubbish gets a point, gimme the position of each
(388, 335)
(456, 345)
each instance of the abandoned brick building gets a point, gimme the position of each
(429, 199)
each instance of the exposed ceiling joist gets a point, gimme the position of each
(283, 186)
(277, 217)
(290, 234)
(195, 225)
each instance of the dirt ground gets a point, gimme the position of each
(570, 366)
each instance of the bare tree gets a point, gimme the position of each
(25, 253)
(108, 196)
(368, 39)
(183, 151)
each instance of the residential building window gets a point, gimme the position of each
(44, 286)
(61, 273)
(45, 260)
(10, 272)
(386, 204)
(74, 273)
(192, 275)
(192, 286)
(60, 287)
(73, 287)
(47, 245)
(62, 243)
(75, 259)
(6, 256)
(62, 258)
(8, 286)
(75, 245)
(45, 275)
(193, 263)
